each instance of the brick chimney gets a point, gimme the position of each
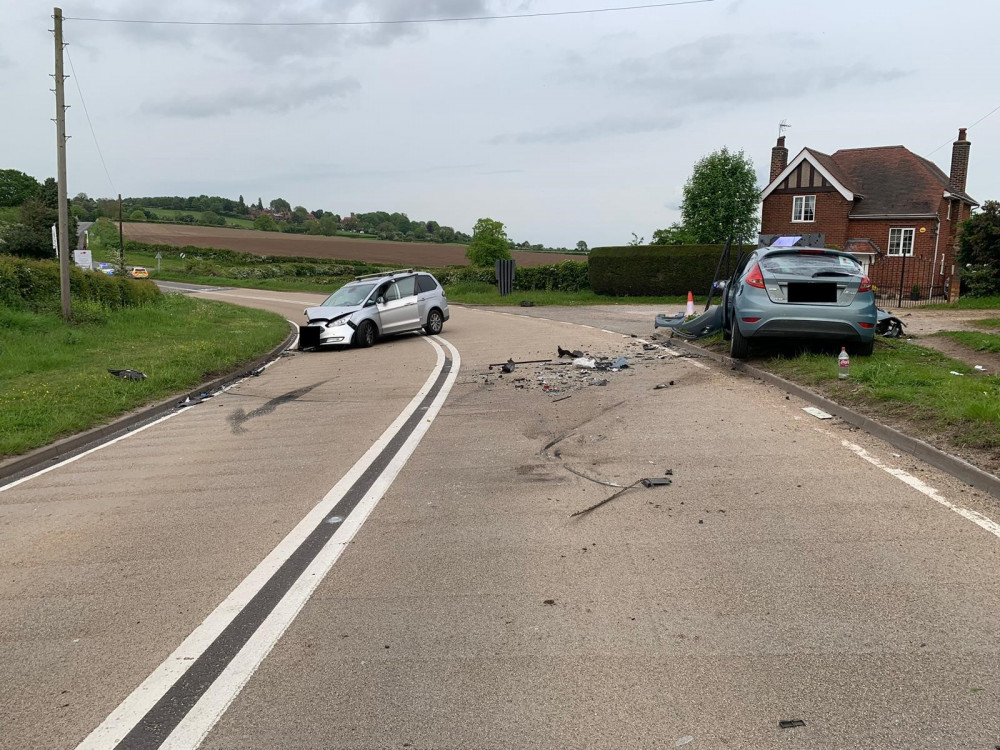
(959, 162)
(779, 157)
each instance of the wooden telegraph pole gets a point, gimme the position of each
(63, 243)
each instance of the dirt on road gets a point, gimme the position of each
(310, 246)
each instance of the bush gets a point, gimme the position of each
(653, 270)
(568, 276)
(34, 285)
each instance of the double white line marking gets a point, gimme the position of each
(125, 726)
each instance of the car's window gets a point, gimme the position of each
(426, 283)
(810, 265)
(348, 295)
(406, 287)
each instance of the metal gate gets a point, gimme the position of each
(505, 276)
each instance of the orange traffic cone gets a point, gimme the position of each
(690, 307)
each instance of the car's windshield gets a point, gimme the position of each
(810, 265)
(348, 295)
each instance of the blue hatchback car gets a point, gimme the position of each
(800, 293)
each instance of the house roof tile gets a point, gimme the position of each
(893, 181)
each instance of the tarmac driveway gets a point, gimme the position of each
(786, 575)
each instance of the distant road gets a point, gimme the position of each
(311, 246)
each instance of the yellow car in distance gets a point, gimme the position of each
(139, 273)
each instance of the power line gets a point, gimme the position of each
(76, 80)
(542, 14)
(995, 109)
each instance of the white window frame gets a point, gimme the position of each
(799, 205)
(903, 233)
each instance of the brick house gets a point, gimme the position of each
(897, 212)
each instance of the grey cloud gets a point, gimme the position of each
(730, 69)
(264, 98)
(604, 128)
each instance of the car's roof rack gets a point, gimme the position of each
(383, 273)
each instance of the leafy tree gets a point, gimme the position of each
(31, 236)
(351, 223)
(979, 251)
(489, 243)
(212, 218)
(721, 199)
(137, 215)
(636, 240)
(328, 225)
(300, 214)
(446, 234)
(280, 205)
(260, 204)
(265, 223)
(16, 187)
(582, 246)
(675, 234)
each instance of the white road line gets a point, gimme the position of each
(920, 486)
(200, 720)
(136, 431)
(310, 303)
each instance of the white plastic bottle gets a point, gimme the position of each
(843, 364)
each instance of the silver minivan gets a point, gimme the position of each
(376, 305)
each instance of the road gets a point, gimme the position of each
(375, 549)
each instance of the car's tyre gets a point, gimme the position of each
(739, 347)
(865, 349)
(435, 322)
(366, 334)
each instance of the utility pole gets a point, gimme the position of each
(61, 167)
(121, 238)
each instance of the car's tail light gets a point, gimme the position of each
(866, 285)
(755, 277)
(750, 320)
(867, 325)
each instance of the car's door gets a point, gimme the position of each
(398, 310)
(427, 295)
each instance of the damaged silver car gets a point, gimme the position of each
(376, 305)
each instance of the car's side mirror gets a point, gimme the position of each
(380, 301)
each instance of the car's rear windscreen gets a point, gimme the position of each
(809, 266)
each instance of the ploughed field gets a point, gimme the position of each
(309, 246)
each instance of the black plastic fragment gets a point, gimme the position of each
(791, 723)
(128, 374)
(656, 482)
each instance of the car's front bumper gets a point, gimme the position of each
(311, 336)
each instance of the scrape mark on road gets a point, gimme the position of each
(240, 416)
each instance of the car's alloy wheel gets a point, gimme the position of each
(435, 322)
(366, 334)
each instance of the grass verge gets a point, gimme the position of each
(980, 342)
(967, 303)
(487, 294)
(912, 387)
(58, 382)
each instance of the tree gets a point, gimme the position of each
(280, 205)
(300, 214)
(328, 225)
(489, 243)
(16, 187)
(675, 234)
(137, 215)
(31, 236)
(351, 223)
(260, 204)
(445, 234)
(265, 223)
(721, 199)
(979, 251)
(582, 246)
(636, 240)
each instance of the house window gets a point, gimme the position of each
(804, 208)
(900, 242)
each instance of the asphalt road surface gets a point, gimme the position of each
(376, 549)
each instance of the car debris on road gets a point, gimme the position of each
(128, 374)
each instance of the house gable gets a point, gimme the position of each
(809, 172)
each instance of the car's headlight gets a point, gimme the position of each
(341, 321)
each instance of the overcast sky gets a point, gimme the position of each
(581, 127)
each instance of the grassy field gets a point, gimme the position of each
(980, 342)
(910, 385)
(171, 214)
(968, 303)
(487, 294)
(989, 322)
(58, 384)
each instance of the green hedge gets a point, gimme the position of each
(653, 270)
(567, 276)
(34, 285)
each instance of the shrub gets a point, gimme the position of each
(568, 276)
(34, 285)
(653, 270)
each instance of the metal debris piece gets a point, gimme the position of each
(557, 400)
(503, 365)
(791, 723)
(818, 413)
(656, 482)
(258, 371)
(508, 366)
(619, 364)
(574, 353)
(128, 374)
(597, 505)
